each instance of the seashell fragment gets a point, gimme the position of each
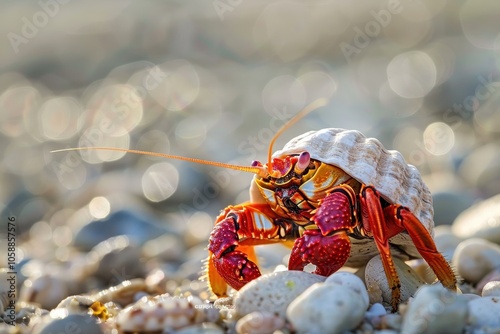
(164, 312)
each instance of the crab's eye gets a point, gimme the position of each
(302, 162)
(256, 163)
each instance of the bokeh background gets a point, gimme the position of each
(214, 80)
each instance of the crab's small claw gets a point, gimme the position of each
(236, 269)
(327, 253)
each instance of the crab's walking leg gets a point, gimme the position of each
(327, 245)
(238, 228)
(374, 222)
(405, 220)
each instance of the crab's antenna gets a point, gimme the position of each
(253, 169)
(310, 107)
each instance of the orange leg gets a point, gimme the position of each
(374, 222)
(232, 259)
(403, 218)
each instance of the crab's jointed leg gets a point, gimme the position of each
(238, 228)
(392, 220)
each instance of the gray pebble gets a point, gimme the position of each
(491, 289)
(73, 323)
(482, 220)
(435, 310)
(474, 258)
(484, 312)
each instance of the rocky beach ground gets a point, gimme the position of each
(108, 242)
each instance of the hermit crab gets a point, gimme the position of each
(336, 198)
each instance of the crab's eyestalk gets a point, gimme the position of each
(310, 107)
(302, 162)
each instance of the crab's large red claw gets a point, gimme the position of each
(327, 253)
(236, 269)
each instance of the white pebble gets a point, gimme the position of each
(259, 322)
(378, 287)
(484, 312)
(326, 308)
(435, 310)
(350, 281)
(273, 292)
(491, 289)
(474, 258)
(376, 310)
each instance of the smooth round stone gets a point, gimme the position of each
(491, 289)
(474, 258)
(435, 310)
(350, 281)
(46, 290)
(448, 205)
(259, 322)
(482, 220)
(326, 308)
(73, 323)
(378, 287)
(376, 310)
(446, 241)
(484, 312)
(493, 275)
(273, 292)
(139, 228)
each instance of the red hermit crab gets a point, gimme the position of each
(337, 197)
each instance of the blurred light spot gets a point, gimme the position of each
(400, 106)
(283, 97)
(99, 207)
(479, 20)
(69, 170)
(408, 141)
(62, 236)
(58, 118)
(17, 104)
(286, 28)
(412, 74)
(94, 137)
(191, 131)
(160, 181)
(444, 59)
(439, 138)
(318, 84)
(487, 117)
(200, 225)
(174, 84)
(116, 109)
(41, 231)
(155, 141)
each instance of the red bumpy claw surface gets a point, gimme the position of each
(234, 266)
(327, 247)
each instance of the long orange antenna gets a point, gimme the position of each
(255, 170)
(310, 107)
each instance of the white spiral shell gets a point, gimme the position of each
(366, 160)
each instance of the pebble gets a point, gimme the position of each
(327, 308)
(350, 281)
(484, 312)
(378, 287)
(259, 322)
(46, 290)
(474, 258)
(449, 204)
(124, 293)
(446, 241)
(482, 220)
(273, 292)
(117, 259)
(491, 289)
(493, 275)
(73, 323)
(139, 229)
(435, 310)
